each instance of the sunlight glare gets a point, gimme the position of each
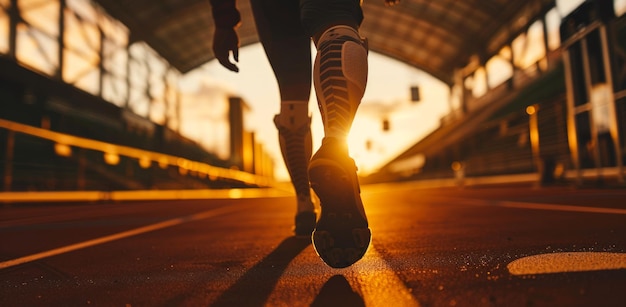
(388, 93)
(620, 7)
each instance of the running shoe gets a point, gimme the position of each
(341, 236)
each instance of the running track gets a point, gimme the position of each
(477, 246)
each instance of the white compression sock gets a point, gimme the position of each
(294, 131)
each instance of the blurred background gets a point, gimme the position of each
(144, 84)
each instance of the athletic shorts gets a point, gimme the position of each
(317, 15)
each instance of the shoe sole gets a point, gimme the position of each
(341, 236)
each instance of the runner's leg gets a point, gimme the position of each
(288, 49)
(341, 236)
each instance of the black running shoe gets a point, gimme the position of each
(341, 236)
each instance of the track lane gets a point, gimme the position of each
(431, 247)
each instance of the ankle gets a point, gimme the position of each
(305, 204)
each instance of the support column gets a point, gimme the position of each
(148, 88)
(487, 85)
(14, 20)
(101, 68)
(513, 67)
(61, 40)
(614, 127)
(81, 181)
(166, 98)
(128, 84)
(546, 44)
(450, 99)
(177, 108)
(533, 126)
(593, 128)
(8, 162)
(572, 129)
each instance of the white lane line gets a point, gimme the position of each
(380, 286)
(567, 262)
(121, 235)
(569, 208)
(537, 206)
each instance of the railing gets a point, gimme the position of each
(65, 144)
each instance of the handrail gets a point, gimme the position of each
(140, 154)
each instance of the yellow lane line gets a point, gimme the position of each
(118, 236)
(379, 285)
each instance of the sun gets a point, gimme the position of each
(367, 143)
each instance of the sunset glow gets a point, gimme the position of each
(387, 97)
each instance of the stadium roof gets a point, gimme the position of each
(435, 36)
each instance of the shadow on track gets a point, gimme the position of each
(337, 292)
(256, 285)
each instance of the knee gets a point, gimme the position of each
(343, 54)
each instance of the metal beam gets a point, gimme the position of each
(14, 19)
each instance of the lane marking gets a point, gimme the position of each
(569, 208)
(121, 235)
(380, 286)
(371, 278)
(536, 206)
(567, 262)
